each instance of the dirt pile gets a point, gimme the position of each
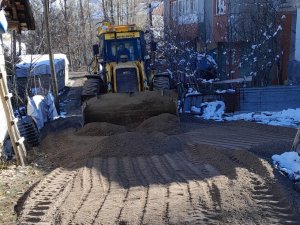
(108, 140)
(101, 129)
(227, 161)
(62, 125)
(135, 144)
(165, 123)
(69, 150)
(203, 185)
(125, 109)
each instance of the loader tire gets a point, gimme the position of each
(29, 131)
(90, 88)
(161, 83)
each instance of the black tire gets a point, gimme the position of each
(90, 88)
(29, 131)
(161, 83)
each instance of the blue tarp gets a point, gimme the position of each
(39, 65)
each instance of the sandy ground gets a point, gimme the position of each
(14, 183)
(163, 171)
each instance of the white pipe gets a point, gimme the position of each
(297, 39)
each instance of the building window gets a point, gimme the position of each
(220, 7)
(189, 7)
(174, 10)
(193, 6)
(180, 8)
(186, 7)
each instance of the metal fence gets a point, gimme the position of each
(273, 98)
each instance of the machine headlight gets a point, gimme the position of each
(109, 87)
(146, 86)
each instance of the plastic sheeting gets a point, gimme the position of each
(39, 64)
(3, 22)
(41, 109)
(3, 123)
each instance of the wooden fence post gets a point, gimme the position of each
(296, 143)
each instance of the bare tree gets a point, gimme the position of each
(83, 32)
(256, 27)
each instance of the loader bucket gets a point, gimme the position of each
(124, 109)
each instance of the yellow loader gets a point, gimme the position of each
(121, 87)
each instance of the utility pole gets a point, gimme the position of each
(152, 43)
(52, 67)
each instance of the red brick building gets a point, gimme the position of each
(221, 33)
(186, 20)
(227, 27)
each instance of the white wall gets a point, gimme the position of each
(3, 121)
(7, 38)
(297, 38)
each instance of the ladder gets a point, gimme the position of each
(12, 123)
(296, 143)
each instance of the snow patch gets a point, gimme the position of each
(287, 118)
(288, 163)
(213, 110)
(192, 91)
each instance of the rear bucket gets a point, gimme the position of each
(124, 109)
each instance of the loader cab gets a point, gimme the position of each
(113, 47)
(122, 57)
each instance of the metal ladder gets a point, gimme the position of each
(12, 127)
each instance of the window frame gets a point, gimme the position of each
(174, 10)
(220, 10)
(192, 6)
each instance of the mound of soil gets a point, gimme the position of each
(135, 144)
(62, 125)
(165, 123)
(101, 129)
(74, 150)
(125, 109)
(227, 161)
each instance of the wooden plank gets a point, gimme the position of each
(296, 143)
(12, 129)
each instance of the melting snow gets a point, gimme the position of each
(213, 110)
(289, 163)
(210, 110)
(288, 118)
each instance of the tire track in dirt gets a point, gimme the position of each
(132, 212)
(270, 198)
(232, 140)
(194, 214)
(245, 167)
(106, 188)
(203, 201)
(65, 211)
(162, 179)
(169, 189)
(111, 208)
(86, 213)
(178, 195)
(87, 184)
(223, 191)
(155, 207)
(42, 200)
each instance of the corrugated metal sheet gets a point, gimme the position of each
(294, 72)
(269, 98)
